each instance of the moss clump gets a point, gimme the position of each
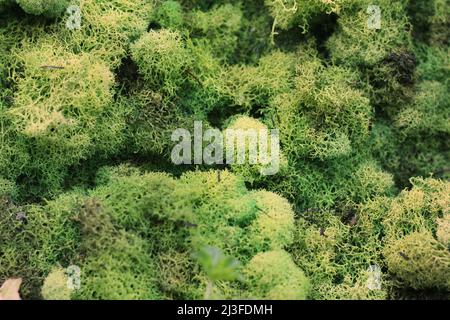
(411, 225)
(34, 239)
(306, 116)
(370, 180)
(416, 131)
(273, 275)
(222, 211)
(219, 26)
(169, 15)
(125, 271)
(125, 232)
(76, 117)
(336, 254)
(200, 211)
(273, 228)
(151, 119)
(14, 155)
(80, 83)
(430, 20)
(152, 206)
(290, 13)
(416, 210)
(48, 8)
(107, 29)
(420, 261)
(356, 44)
(248, 86)
(443, 229)
(55, 286)
(422, 132)
(162, 59)
(261, 162)
(427, 113)
(7, 188)
(434, 64)
(383, 55)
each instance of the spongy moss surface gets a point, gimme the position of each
(86, 177)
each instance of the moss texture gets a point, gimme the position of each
(86, 176)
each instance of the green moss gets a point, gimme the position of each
(417, 210)
(107, 28)
(336, 253)
(169, 15)
(7, 188)
(428, 112)
(443, 229)
(435, 64)
(219, 207)
(162, 59)
(273, 228)
(86, 113)
(370, 180)
(48, 8)
(430, 20)
(151, 119)
(124, 271)
(384, 55)
(5, 4)
(419, 260)
(76, 117)
(290, 13)
(273, 275)
(36, 238)
(55, 286)
(220, 26)
(356, 44)
(384, 143)
(324, 115)
(411, 227)
(247, 86)
(250, 133)
(417, 136)
(158, 200)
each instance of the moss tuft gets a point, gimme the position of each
(273, 275)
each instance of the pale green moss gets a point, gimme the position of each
(55, 285)
(162, 59)
(419, 260)
(49, 8)
(273, 275)
(273, 228)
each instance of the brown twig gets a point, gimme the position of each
(52, 67)
(404, 256)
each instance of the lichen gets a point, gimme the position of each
(90, 98)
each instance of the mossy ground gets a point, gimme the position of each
(86, 178)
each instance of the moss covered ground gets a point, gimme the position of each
(92, 90)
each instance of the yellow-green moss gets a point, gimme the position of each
(419, 260)
(55, 285)
(49, 8)
(273, 275)
(273, 228)
(244, 131)
(162, 59)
